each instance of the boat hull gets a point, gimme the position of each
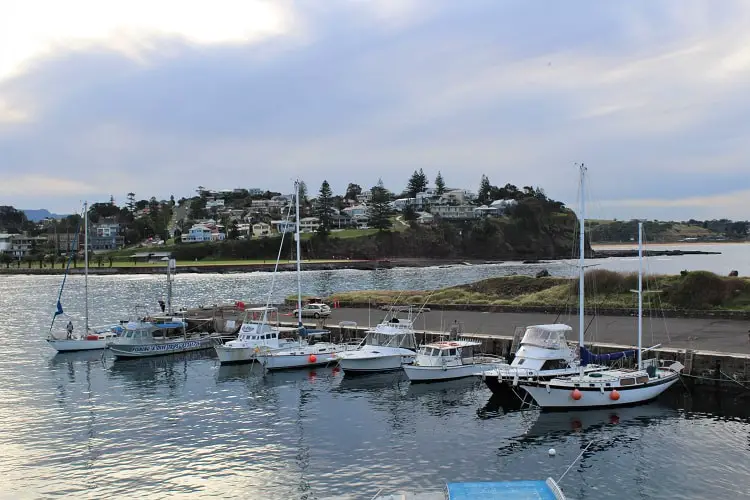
(561, 398)
(294, 361)
(500, 382)
(77, 345)
(373, 364)
(234, 355)
(126, 351)
(436, 373)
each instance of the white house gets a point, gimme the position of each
(202, 233)
(309, 224)
(283, 226)
(214, 204)
(355, 211)
(261, 230)
(425, 218)
(5, 242)
(454, 211)
(457, 196)
(365, 196)
(401, 203)
(503, 206)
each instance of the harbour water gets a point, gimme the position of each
(81, 426)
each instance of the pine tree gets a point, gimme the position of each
(439, 184)
(131, 202)
(379, 210)
(485, 189)
(417, 183)
(325, 203)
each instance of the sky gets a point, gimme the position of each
(159, 97)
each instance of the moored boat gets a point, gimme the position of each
(143, 338)
(387, 347)
(489, 490)
(448, 360)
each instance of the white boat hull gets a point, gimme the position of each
(559, 398)
(229, 355)
(291, 361)
(159, 349)
(372, 363)
(435, 373)
(66, 345)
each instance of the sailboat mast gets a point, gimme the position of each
(86, 265)
(640, 295)
(581, 257)
(299, 270)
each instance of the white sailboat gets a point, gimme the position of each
(387, 347)
(90, 338)
(306, 353)
(605, 388)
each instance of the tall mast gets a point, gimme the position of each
(169, 285)
(86, 265)
(640, 294)
(581, 259)
(299, 270)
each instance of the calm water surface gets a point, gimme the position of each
(182, 426)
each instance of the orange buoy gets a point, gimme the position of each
(312, 358)
(576, 394)
(614, 395)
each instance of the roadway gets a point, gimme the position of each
(721, 335)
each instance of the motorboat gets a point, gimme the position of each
(387, 347)
(446, 360)
(260, 330)
(144, 338)
(496, 490)
(544, 353)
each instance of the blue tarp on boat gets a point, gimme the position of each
(507, 490)
(588, 357)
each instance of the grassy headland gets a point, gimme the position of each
(697, 290)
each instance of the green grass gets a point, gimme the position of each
(604, 289)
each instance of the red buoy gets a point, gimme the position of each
(92, 337)
(312, 358)
(576, 394)
(614, 395)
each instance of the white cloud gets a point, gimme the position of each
(34, 186)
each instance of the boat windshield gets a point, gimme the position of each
(391, 339)
(549, 338)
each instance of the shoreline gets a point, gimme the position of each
(329, 265)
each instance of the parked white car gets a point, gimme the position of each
(314, 311)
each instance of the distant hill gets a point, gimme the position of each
(41, 214)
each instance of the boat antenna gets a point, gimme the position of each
(576, 459)
(299, 270)
(276, 266)
(86, 265)
(581, 259)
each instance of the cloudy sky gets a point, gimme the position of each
(158, 97)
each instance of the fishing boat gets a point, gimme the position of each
(499, 490)
(260, 330)
(387, 347)
(544, 354)
(447, 360)
(611, 387)
(90, 338)
(309, 351)
(146, 336)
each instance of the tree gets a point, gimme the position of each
(439, 184)
(352, 191)
(417, 183)
(379, 210)
(99, 260)
(6, 259)
(234, 230)
(325, 204)
(131, 202)
(171, 200)
(485, 190)
(110, 259)
(409, 214)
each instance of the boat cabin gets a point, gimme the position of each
(392, 333)
(447, 353)
(545, 347)
(144, 332)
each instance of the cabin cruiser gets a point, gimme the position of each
(144, 338)
(386, 347)
(448, 360)
(260, 330)
(544, 354)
